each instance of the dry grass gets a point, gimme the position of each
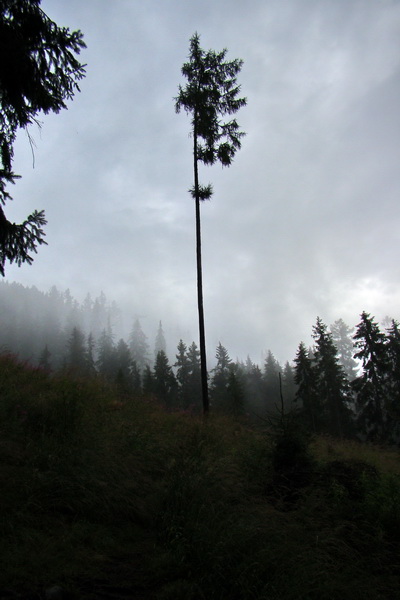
(383, 458)
(113, 496)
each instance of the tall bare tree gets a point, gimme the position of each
(211, 93)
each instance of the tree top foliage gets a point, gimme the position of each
(210, 94)
(39, 71)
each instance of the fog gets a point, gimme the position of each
(303, 224)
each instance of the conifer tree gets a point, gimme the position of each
(77, 354)
(148, 381)
(393, 357)
(288, 384)
(306, 393)
(86, 310)
(254, 387)
(39, 71)
(182, 374)
(371, 386)
(138, 346)
(136, 379)
(210, 94)
(160, 343)
(98, 315)
(90, 355)
(194, 392)
(343, 340)
(51, 325)
(220, 395)
(123, 366)
(106, 358)
(235, 391)
(164, 380)
(332, 384)
(248, 365)
(271, 378)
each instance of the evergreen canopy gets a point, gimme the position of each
(39, 71)
(211, 93)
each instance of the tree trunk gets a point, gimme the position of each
(203, 357)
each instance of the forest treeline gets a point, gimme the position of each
(346, 384)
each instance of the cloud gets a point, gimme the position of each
(305, 221)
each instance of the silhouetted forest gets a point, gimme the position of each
(346, 384)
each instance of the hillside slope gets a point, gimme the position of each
(111, 497)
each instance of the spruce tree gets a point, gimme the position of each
(39, 72)
(393, 379)
(371, 386)
(136, 379)
(342, 337)
(160, 343)
(138, 346)
(148, 382)
(182, 375)
(106, 357)
(164, 380)
(77, 354)
(288, 384)
(220, 395)
(210, 94)
(332, 384)
(306, 394)
(194, 392)
(123, 366)
(235, 391)
(271, 379)
(254, 388)
(91, 368)
(98, 315)
(86, 309)
(393, 354)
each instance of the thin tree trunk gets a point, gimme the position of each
(203, 357)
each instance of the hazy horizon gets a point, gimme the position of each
(303, 224)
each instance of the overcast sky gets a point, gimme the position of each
(305, 222)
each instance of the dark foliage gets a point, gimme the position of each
(354, 477)
(371, 386)
(55, 332)
(39, 72)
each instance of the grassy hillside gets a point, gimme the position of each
(112, 497)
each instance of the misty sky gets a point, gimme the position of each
(305, 222)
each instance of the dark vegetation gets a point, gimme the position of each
(39, 73)
(112, 486)
(346, 384)
(111, 496)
